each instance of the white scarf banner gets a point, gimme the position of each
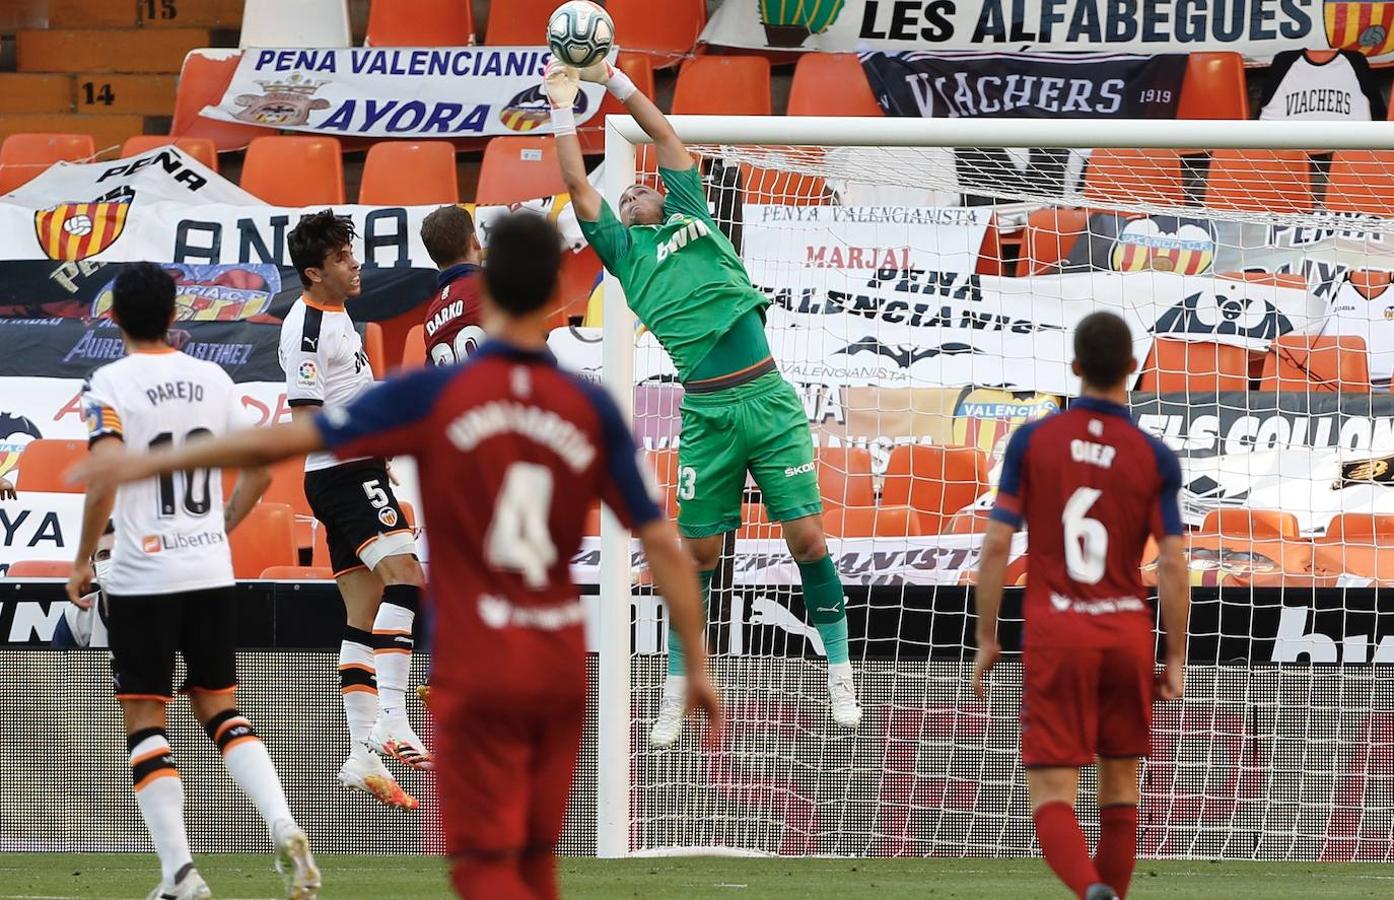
(1256, 28)
(439, 92)
(165, 206)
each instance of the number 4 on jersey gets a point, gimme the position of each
(519, 538)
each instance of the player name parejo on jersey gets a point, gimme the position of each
(188, 391)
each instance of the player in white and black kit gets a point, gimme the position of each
(169, 585)
(370, 546)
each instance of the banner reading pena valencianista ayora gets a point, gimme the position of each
(437, 92)
(1256, 28)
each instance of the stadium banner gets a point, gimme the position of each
(1021, 85)
(1233, 422)
(37, 525)
(1256, 28)
(441, 92)
(924, 328)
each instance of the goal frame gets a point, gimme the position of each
(622, 135)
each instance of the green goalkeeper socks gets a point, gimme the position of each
(676, 664)
(827, 610)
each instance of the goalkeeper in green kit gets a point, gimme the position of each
(685, 282)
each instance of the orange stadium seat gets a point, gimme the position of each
(1214, 87)
(1274, 181)
(639, 68)
(519, 23)
(665, 471)
(1251, 524)
(374, 350)
(414, 348)
(420, 23)
(518, 168)
(201, 149)
(578, 273)
(782, 187)
(23, 157)
(203, 79)
(967, 521)
(297, 573)
(409, 173)
(991, 257)
(1304, 362)
(40, 568)
(1051, 235)
(831, 84)
(42, 463)
(286, 170)
(669, 35)
(592, 528)
(723, 85)
(1134, 176)
(756, 523)
(935, 481)
(265, 538)
(1194, 367)
(1360, 182)
(1359, 528)
(844, 476)
(874, 521)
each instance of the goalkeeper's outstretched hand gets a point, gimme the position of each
(561, 83)
(599, 73)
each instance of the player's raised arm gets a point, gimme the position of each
(672, 153)
(562, 83)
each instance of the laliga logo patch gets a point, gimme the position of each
(307, 374)
(282, 103)
(530, 109)
(1163, 244)
(75, 231)
(388, 517)
(1224, 312)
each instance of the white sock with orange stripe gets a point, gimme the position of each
(358, 683)
(393, 645)
(160, 796)
(250, 766)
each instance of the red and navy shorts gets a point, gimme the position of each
(1081, 703)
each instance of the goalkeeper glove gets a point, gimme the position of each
(561, 84)
(615, 81)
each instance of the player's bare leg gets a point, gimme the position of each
(706, 555)
(392, 734)
(160, 796)
(1053, 794)
(362, 590)
(1116, 854)
(250, 766)
(826, 606)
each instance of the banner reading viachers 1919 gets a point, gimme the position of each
(1256, 28)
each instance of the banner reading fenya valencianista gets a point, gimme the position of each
(1256, 28)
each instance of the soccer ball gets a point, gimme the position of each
(580, 33)
(79, 225)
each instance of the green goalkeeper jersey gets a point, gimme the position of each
(682, 277)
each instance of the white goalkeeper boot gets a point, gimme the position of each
(295, 863)
(842, 696)
(668, 726)
(188, 886)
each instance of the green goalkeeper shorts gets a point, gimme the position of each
(760, 427)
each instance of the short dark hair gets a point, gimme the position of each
(446, 232)
(142, 300)
(314, 238)
(521, 269)
(1103, 349)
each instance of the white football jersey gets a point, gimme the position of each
(169, 530)
(1342, 88)
(1369, 315)
(322, 356)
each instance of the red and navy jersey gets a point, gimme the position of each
(1091, 488)
(511, 453)
(452, 320)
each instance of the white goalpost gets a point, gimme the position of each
(925, 276)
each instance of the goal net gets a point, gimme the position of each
(925, 278)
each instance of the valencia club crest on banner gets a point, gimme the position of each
(1362, 27)
(73, 231)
